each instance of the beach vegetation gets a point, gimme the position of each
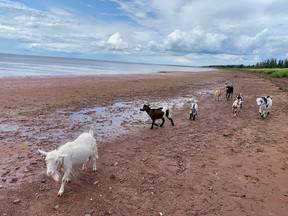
(276, 73)
(272, 67)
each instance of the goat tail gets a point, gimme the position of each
(91, 130)
(168, 112)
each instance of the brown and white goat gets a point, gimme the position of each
(158, 113)
(236, 107)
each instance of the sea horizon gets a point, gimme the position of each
(19, 65)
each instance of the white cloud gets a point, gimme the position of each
(7, 28)
(60, 12)
(183, 61)
(191, 30)
(56, 46)
(247, 43)
(115, 41)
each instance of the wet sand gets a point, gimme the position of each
(216, 165)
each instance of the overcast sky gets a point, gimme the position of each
(189, 32)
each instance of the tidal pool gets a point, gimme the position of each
(122, 117)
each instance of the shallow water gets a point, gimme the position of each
(8, 128)
(123, 117)
(22, 65)
(110, 122)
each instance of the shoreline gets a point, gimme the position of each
(205, 70)
(42, 66)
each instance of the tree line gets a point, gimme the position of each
(272, 63)
(269, 63)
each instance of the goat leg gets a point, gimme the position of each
(171, 120)
(153, 123)
(84, 164)
(163, 120)
(66, 175)
(94, 157)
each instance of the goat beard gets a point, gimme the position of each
(56, 176)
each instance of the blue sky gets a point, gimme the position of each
(184, 32)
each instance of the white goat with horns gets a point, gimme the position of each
(72, 153)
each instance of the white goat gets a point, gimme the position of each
(194, 110)
(72, 153)
(265, 104)
(236, 107)
(217, 94)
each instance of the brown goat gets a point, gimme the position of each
(158, 114)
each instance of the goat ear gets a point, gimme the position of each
(42, 152)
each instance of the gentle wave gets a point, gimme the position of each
(22, 66)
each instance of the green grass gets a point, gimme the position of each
(273, 72)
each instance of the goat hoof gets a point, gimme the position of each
(59, 194)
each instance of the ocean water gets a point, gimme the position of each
(27, 66)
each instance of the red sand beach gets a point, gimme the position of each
(216, 165)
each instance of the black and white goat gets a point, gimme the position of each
(265, 104)
(241, 98)
(193, 111)
(158, 113)
(229, 91)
